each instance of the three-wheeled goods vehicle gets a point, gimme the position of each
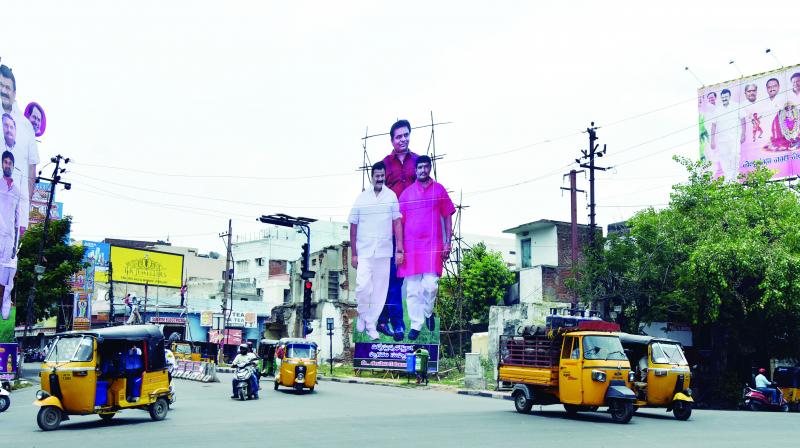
(102, 372)
(582, 366)
(661, 374)
(788, 380)
(296, 364)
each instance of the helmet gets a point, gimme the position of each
(243, 348)
(762, 370)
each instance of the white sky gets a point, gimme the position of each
(265, 103)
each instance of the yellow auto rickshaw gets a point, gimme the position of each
(662, 375)
(788, 379)
(102, 372)
(296, 364)
(583, 368)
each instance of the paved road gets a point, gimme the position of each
(356, 416)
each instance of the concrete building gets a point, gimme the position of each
(263, 259)
(544, 260)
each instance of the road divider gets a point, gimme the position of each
(205, 372)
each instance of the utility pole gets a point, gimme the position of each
(573, 189)
(590, 156)
(226, 288)
(111, 293)
(39, 269)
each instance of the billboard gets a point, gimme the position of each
(146, 267)
(39, 199)
(8, 361)
(81, 311)
(750, 120)
(382, 356)
(97, 255)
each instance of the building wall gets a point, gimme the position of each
(544, 246)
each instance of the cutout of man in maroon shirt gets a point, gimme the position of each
(400, 173)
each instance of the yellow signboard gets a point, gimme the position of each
(145, 267)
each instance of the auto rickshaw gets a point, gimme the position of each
(296, 361)
(102, 372)
(788, 379)
(582, 367)
(662, 375)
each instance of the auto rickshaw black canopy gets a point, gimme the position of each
(151, 334)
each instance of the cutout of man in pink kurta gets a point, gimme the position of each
(427, 227)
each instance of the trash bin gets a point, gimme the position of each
(411, 366)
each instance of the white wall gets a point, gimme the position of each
(530, 285)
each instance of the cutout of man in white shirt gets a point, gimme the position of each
(375, 215)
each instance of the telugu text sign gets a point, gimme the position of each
(382, 356)
(145, 267)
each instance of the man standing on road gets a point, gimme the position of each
(375, 214)
(9, 232)
(400, 174)
(427, 209)
(25, 151)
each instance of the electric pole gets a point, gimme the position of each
(573, 189)
(111, 293)
(590, 156)
(39, 269)
(226, 288)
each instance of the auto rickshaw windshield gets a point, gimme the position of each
(666, 353)
(301, 351)
(603, 347)
(78, 349)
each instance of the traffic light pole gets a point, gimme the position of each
(283, 220)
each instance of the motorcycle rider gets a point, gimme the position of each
(763, 385)
(244, 357)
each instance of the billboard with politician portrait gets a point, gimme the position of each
(147, 267)
(752, 120)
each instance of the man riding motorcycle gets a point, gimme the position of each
(244, 357)
(764, 385)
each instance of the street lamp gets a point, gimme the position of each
(329, 323)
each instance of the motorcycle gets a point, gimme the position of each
(243, 379)
(755, 400)
(5, 397)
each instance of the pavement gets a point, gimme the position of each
(345, 414)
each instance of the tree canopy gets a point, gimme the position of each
(724, 257)
(61, 261)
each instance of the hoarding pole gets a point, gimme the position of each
(225, 289)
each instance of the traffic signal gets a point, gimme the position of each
(305, 255)
(307, 299)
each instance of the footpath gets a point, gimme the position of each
(404, 383)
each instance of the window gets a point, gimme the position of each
(526, 253)
(333, 285)
(259, 262)
(287, 296)
(72, 349)
(603, 347)
(260, 292)
(242, 266)
(666, 353)
(567, 347)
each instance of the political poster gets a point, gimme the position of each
(8, 361)
(750, 121)
(382, 356)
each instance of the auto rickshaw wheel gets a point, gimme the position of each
(159, 409)
(521, 403)
(621, 411)
(571, 409)
(108, 416)
(276, 385)
(311, 389)
(5, 402)
(49, 418)
(682, 410)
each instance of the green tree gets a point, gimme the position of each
(484, 279)
(724, 257)
(61, 261)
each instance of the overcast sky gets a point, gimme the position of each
(178, 115)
